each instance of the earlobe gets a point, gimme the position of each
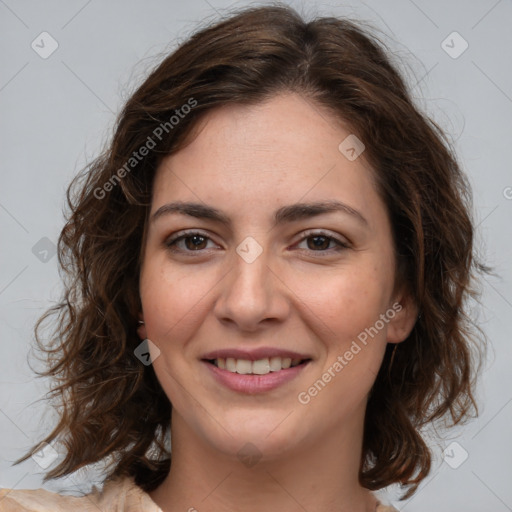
(406, 315)
(141, 330)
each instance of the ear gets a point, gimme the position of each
(406, 315)
(141, 329)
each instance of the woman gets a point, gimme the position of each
(277, 243)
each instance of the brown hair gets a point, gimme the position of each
(111, 405)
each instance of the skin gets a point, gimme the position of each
(248, 161)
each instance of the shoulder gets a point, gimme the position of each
(120, 495)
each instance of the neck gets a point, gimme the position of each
(321, 475)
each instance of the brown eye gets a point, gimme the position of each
(192, 241)
(196, 242)
(321, 242)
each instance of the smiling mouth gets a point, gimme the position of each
(258, 367)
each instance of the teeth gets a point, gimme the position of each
(259, 367)
(275, 364)
(243, 366)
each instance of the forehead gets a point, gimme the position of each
(283, 150)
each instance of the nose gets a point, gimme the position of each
(252, 295)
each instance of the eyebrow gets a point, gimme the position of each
(289, 213)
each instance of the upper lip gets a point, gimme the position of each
(253, 355)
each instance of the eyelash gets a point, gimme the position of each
(171, 243)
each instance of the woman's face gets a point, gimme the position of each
(262, 279)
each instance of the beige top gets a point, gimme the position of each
(122, 495)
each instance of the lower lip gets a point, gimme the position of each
(253, 384)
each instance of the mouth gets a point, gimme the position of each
(262, 366)
(252, 372)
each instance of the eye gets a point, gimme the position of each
(320, 242)
(194, 241)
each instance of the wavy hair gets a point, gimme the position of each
(112, 407)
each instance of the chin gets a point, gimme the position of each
(267, 436)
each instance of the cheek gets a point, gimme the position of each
(346, 301)
(172, 303)
(347, 307)
(176, 300)
(173, 299)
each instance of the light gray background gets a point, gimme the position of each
(56, 113)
